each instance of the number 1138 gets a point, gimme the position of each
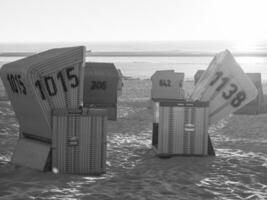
(239, 96)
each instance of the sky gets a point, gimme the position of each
(131, 20)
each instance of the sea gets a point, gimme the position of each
(181, 56)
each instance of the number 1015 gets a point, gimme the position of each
(50, 83)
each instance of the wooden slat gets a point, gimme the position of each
(200, 131)
(180, 130)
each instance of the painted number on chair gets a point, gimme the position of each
(221, 81)
(164, 83)
(64, 77)
(16, 84)
(98, 85)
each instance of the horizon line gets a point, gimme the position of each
(175, 53)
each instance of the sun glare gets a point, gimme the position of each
(246, 45)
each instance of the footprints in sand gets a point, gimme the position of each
(126, 150)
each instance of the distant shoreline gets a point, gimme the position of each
(168, 54)
(144, 54)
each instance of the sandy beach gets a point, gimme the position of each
(134, 172)
(139, 38)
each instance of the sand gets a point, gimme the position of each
(239, 171)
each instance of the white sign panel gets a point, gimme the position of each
(167, 84)
(225, 86)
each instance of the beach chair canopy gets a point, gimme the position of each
(100, 86)
(39, 83)
(167, 84)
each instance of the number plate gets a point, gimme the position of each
(167, 84)
(225, 86)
